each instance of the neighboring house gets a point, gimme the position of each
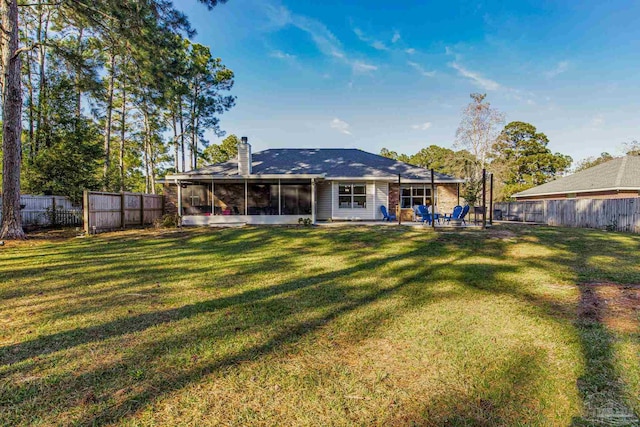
(279, 186)
(615, 179)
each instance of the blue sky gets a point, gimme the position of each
(372, 74)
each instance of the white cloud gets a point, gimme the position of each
(326, 42)
(476, 78)
(379, 45)
(421, 70)
(560, 68)
(340, 125)
(360, 67)
(278, 54)
(376, 44)
(396, 37)
(410, 51)
(423, 126)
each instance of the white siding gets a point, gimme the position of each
(382, 198)
(323, 201)
(354, 214)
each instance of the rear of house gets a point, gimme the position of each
(280, 186)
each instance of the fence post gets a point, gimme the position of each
(53, 211)
(142, 209)
(85, 210)
(123, 206)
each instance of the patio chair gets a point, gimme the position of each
(425, 215)
(385, 215)
(457, 211)
(464, 213)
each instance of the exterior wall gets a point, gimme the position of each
(447, 197)
(353, 214)
(170, 193)
(323, 200)
(592, 195)
(381, 198)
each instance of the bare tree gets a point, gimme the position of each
(479, 129)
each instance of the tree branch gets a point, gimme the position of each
(25, 49)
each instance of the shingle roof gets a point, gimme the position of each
(617, 174)
(330, 162)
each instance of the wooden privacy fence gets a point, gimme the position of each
(608, 214)
(114, 211)
(48, 211)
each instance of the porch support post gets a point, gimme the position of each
(179, 202)
(246, 197)
(213, 198)
(399, 208)
(433, 201)
(484, 198)
(491, 200)
(458, 184)
(313, 201)
(279, 199)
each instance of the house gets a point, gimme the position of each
(280, 186)
(615, 179)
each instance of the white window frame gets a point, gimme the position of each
(352, 195)
(411, 197)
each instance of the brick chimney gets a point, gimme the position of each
(244, 157)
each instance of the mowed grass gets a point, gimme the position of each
(318, 326)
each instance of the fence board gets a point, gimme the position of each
(113, 211)
(610, 214)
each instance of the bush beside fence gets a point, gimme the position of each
(607, 214)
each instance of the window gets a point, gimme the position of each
(415, 195)
(352, 196)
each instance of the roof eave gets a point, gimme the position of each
(554, 193)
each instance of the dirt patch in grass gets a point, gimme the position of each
(616, 306)
(607, 315)
(501, 234)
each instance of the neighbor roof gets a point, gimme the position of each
(622, 173)
(325, 162)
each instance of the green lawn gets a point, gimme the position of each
(321, 326)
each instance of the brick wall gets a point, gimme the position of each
(170, 193)
(394, 191)
(447, 197)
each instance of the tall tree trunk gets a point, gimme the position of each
(176, 147)
(182, 147)
(11, 226)
(42, 115)
(123, 131)
(107, 125)
(78, 79)
(146, 150)
(32, 147)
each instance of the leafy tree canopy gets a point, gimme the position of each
(525, 161)
(219, 153)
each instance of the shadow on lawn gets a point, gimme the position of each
(288, 311)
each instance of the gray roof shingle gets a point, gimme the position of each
(331, 162)
(616, 174)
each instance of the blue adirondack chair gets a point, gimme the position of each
(425, 215)
(457, 211)
(385, 215)
(464, 213)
